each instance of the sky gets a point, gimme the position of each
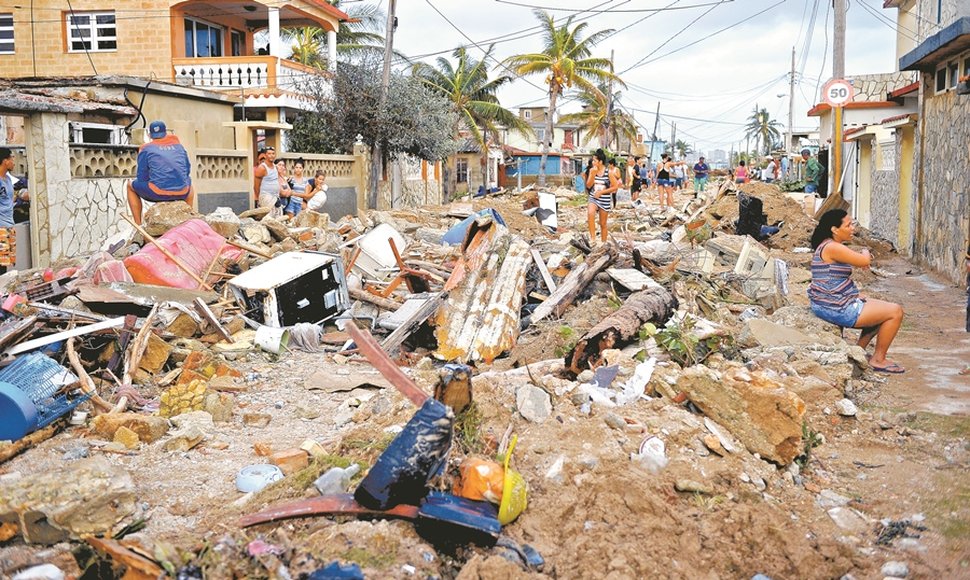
(707, 82)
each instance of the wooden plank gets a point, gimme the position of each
(575, 282)
(414, 322)
(546, 276)
(79, 331)
(631, 279)
(210, 317)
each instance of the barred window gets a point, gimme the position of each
(91, 31)
(6, 33)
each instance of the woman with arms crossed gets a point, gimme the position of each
(600, 200)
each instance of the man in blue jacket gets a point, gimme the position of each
(163, 172)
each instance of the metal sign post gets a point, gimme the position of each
(837, 92)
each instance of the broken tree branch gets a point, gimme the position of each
(575, 282)
(382, 303)
(87, 385)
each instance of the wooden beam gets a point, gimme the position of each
(575, 282)
(543, 271)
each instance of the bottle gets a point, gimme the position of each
(336, 479)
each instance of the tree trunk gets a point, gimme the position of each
(575, 282)
(654, 304)
(553, 96)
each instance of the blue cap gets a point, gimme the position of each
(157, 130)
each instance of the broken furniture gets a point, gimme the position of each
(35, 391)
(294, 287)
(374, 259)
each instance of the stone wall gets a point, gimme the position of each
(942, 208)
(884, 219)
(875, 87)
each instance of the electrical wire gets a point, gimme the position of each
(610, 11)
(672, 38)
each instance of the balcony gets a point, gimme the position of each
(264, 80)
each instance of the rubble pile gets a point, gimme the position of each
(473, 390)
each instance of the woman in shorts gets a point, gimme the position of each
(600, 183)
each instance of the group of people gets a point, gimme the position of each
(284, 193)
(774, 170)
(164, 174)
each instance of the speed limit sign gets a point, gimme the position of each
(838, 92)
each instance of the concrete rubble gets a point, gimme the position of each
(647, 381)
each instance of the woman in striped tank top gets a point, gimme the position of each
(600, 198)
(835, 298)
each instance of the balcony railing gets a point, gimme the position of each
(244, 72)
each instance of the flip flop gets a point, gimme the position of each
(892, 368)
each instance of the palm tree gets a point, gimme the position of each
(762, 128)
(362, 35)
(599, 118)
(565, 61)
(683, 147)
(465, 84)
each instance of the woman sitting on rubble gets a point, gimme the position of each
(834, 297)
(600, 199)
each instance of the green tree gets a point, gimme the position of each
(565, 61)
(763, 129)
(362, 35)
(472, 95)
(601, 119)
(683, 148)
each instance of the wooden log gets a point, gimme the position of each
(655, 304)
(365, 296)
(543, 271)
(575, 282)
(175, 259)
(10, 450)
(87, 385)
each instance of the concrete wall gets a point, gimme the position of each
(884, 217)
(942, 207)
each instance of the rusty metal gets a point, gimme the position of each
(375, 354)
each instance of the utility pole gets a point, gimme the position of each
(656, 124)
(791, 103)
(376, 153)
(605, 141)
(838, 72)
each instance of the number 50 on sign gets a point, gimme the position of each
(838, 92)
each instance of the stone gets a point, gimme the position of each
(262, 449)
(276, 228)
(202, 362)
(42, 572)
(846, 408)
(188, 376)
(182, 398)
(712, 443)
(313, 448)
(156, 355)
(829, 499)
(220, 406)
(256, 419)
(200, 419)
(223, 221)
(691, 486)
(533, 403)
(289, 245)
(255, 214)
(162, 217)
(185, 439)
(585, 376)
(127, 437)
(615, 421)
(312, 219)
(228, 384)
(85, 497)
(290, 460)
(763, 415)
(255, 233)
(769, 334)
(894, 569)
(149, 428)
(183, 326)
(848, 520)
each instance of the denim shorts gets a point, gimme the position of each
(811, 188)
(845, 317)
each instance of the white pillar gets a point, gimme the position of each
(275, 48)
(332, 50)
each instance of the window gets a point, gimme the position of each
(91, 31)
(567, 140)
(202, 39)
(237, 42)
(541, 135)
(461, 170)
(97, 134)
(6, 33)
(966, 67)
(527, 114)
(941, 80)
(954, 68)
(939, 11)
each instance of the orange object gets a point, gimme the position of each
(481, 479)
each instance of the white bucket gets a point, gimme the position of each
(271, 339)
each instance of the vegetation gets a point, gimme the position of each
(601, 118)
(362, 36)
(566, 60)
(763, 129)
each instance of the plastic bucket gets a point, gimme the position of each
(271, 339)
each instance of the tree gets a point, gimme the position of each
(565, 61)
(683, 147)
(414, 120)
(599, 118)
(466, 86)
(362, 35)
(762, 128)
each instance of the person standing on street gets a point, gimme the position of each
(163, 172)
(665, 181)
(267, 179)
(635, 182)
(701, 170)
(601, 183)
(8, 243)
(813, 171)
(770, 170)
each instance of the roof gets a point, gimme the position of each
(820, 108)
(516, 152)
(331, 10)
(117, 81)
(15, 98)
(952, 40)
(903, 91)
(895, 118)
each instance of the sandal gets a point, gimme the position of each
(891, 368)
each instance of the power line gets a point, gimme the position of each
(609, 11)
(654, 51)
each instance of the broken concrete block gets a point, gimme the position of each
(127, 437)
(219, 405)
(189, 376)
(149, 428)
(200, 361)
(255, 233)
(183, 326)
(276, 228)
(262, 449)
(256, 419)
(313, 448)
(312, 219)
(763, 415)
(223, 221)
(85, 497)
(533, 403)
(156, 355)
(185, 439)
(760, 332)
(290, 460)
(183, 398)
(162, 217)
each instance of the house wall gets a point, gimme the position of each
(143, 32)
(476, 171)
(907, 162)
(942, 208)
(884, 202)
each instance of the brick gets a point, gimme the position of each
(150, 428)
(156, 355)
(290, 460)
(127, 437)
(262, 449)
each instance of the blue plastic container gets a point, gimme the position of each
(46, 384)
(18, 413)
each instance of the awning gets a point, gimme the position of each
(950, 41)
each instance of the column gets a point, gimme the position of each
(275, 48)
(332, 50)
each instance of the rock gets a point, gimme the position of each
(429, 235)
(848, 520)
(162, 217)
(200, 419)
(846, 408)
(723, 438)
(311, 219)
(290, 460)
(85, 497)
(185, 439)
(691, 486)
(127, 437)
(255, 214)
(289, 245)
(585, 376)
(615, 421)
(156, 355)
(148, 427)
(223, 221)
(770, 334)
(763, 415)
(183, 398)
(712, 443)
(829, 499)
(262, 449)
(533, 403)
(183, 326)
(256, 419)
(42, 572)
(255, 233)
(276, 228)
(895, 569)
(220, 406)
(313, 448)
